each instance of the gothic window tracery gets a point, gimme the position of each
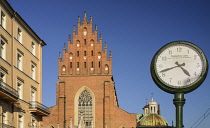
(85, 108)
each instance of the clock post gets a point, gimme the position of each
(178, 68)
(179, 102)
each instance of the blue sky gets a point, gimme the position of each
(134, 30)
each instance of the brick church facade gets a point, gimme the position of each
(85, 91)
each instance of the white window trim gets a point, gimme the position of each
(33, 70)
(33, 48)
(3, 48)
(20, 88)
(20, 120)
(3, 18)
(20, 62)
(33, 93)
(19, 35)
(4, 116)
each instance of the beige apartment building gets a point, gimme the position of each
(20, 72)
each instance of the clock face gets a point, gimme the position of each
(179, 65)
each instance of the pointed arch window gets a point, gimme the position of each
(92, 53)
(85, 41)
(99, 64)
(91, 42)
(85, 108)
(85, 31)
(99, 55)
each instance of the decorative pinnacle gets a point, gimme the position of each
(85, 14)
(100, 36)
(59, 55)
(78, 19)
(64, 46)
(91, 19)
(105, 45)
(74, 28)
(96, 28)
(110, 54)
(69, 37)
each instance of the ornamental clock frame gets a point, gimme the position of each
(179, 67)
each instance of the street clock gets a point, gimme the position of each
(179, 67)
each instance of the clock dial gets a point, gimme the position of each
(179, 65)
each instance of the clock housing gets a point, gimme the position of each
(179, 67)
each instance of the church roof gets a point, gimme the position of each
(152, 120)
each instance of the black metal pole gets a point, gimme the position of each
(179, 102)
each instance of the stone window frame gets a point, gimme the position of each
(76, 105)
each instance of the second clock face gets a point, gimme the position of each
(179, 65)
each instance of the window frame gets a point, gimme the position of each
(85, 107)
(20, 83)
(33, 48)
(20, 60)
(3, 19)
(33, 70)
(20, 120)
(3, 47)
(19, 35)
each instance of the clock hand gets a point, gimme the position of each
(167, 69)
(184, 70)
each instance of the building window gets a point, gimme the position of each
(92, 65)
(20, 60)
(106, 68)
(99, 55)
(20, 120)
(33, 70)
(19, 35)
(33, 48)
(20, 88)
(78, 53)
(3, 20)
(85, 108)
(33, 122)
(85, 65)
(4, 116)
(85, 31)
(70, 65)
(70, 56)
(77, 64)
(99, 64)
(64, 68)
(33, 94)
(2, 76)
(85, 53)
(85, 42)
(78, 43)
(3, 48)
(92, 53)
